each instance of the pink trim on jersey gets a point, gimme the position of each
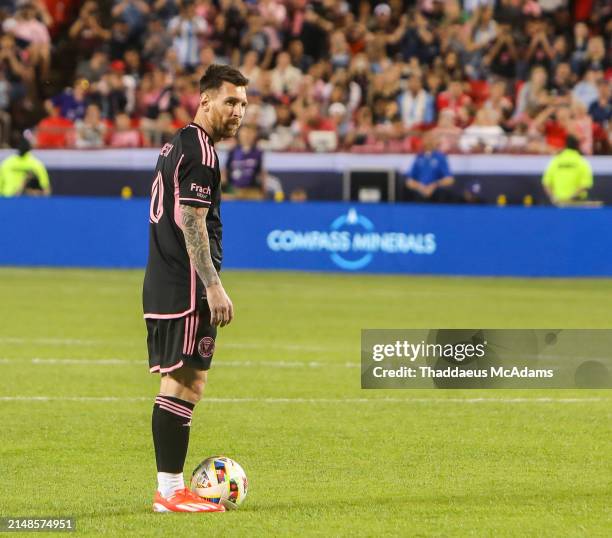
(202, 146)
(153, 315)
(193, 286)
(177, 406)
(166, 370)
(177, 209)
(175, 367)
(157, 190)
(173, 411)
(195, 200)
(208, 154)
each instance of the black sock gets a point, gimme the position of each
(171, 424)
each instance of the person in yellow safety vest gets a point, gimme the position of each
(568, 176)
(23, 173)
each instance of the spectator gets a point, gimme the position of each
(285, 77)
(250, 69)
(87, 32)
(595, 57)
(533, 95)
(91, 130)
(72, 102)
(282, 136)
(586, 90)
(539, 51)
(456, 100)
(418, 39)
(255, 38)
(581, 40)
(155, 41)
(244, 171)
(484, 134)
(430, 178)
(133, 12)
(26, 27)
(164, 130)
(562, 83)
(54, 131)
(298, 58)
(93, 69)
(110, 94)
(23, 174)
(124, 134)
(187, 30)
(416, 105)
(446, 132)
(15, 71)
(501, 59)
(481, 34)
(601, 109)
(568, 177)
(498, 101)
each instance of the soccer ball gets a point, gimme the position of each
(220, 480)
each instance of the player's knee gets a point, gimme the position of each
(197, 389)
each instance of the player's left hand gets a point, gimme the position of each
(221, 306)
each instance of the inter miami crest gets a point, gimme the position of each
(206, 347)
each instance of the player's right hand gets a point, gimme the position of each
(220, 305)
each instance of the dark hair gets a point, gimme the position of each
(217, 74)
(571, 142)
(24, 146)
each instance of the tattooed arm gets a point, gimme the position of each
(198, 248)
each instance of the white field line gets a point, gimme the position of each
(218, 363)
(111, 399)
(99, 343)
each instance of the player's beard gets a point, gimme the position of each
(230, 128)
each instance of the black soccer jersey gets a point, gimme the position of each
(187, 172)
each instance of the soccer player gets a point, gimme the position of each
(183, 299)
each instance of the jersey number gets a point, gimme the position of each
(157, 199)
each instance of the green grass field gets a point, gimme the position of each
(324, 458)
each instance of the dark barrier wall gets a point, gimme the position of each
(321, 175)
(377, 238)
(322, 185)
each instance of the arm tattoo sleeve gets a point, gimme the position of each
(198, 246)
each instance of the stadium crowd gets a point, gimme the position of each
(480, 75)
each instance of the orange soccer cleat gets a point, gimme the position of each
(184, 500)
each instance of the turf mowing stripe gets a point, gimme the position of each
(96, 343)
(305, 400)
(231, 363)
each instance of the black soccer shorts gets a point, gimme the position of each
(185, 341)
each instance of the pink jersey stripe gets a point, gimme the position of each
(154, 369)
(179, 407)
(194, 200)
(177, 209)
(208, 154)
(191, 332)
(203, 147)
(185, 334)
(174, 411)
(193, 286)
(195, 333)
